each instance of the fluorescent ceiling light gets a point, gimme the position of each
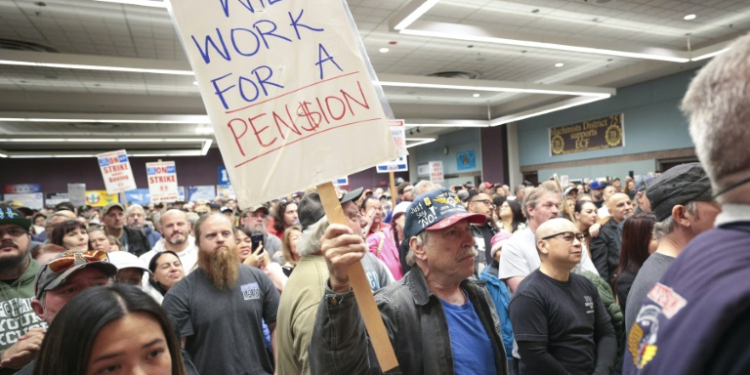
(143, 3)
(419, 141)
(97, 67)
(447, 125)
(690, 17)
(103, 121)
(206, 147)
(709, 55)
(416, 13)
(3, 155)
(569, 103)
(532, 44)
(384, 50)
(487, 88)
(108, 140)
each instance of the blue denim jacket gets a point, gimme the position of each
(416, 325)
(501, 296)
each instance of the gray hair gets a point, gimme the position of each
(424, 186)
(719, 111)
(667, 226)
(310, 242)
(411, 259)
(50, 218)
(532, 198)
(134, 207)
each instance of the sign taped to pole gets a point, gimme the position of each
(162, 181)
(116, 171)
(296, 96)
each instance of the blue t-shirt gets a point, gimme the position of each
(470, 344)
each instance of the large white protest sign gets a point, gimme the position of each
(118, 177)
(288, 91)
(162, 181)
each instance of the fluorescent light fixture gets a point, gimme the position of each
(446, 125)
(565, 104)
(384, 50)
(103, 121)
(42, 140)
(487, 88)
(419, 141)
(3, 155)
(107, 140)
(97, 67)
(206, 147)
(477, 95)
(143, 3)
(416, 13)
(690, 17)
(559, 65)
(50, 156)
(709, 55)
(532, 44)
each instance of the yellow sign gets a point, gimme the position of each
(599, 134)
(100, 198)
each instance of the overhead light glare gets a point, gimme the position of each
(384, 50)
(97, 67)
(528, 43)
(559, 65)
(143, 3)
(524, 116)
(476, 95)
(486, 88)
(690, 17)
(102, 121)
(419, 141)
(206, 147)
(413, 16)
(709, 55)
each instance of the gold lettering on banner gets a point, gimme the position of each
(590, 135)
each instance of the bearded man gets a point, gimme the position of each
(219, 309)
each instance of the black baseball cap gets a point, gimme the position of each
(13, 216)
(679, 185)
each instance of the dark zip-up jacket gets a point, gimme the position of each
(416, 325)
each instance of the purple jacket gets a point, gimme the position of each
(685, 315)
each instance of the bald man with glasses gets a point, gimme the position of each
(482, 204)
(559, 321)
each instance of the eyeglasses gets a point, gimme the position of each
(13, 232)
(567, 236)
(70, 258)
(485, 201)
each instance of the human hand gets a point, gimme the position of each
(341, 248)
(255, 259)
(594, 230)
(24, 350)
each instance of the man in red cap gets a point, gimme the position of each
(438, 320)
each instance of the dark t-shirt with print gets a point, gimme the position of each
(223, 328)
(565, 315)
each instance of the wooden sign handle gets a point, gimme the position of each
(365, 300)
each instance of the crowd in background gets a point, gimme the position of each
(645, 276)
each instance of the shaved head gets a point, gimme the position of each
(554, 226)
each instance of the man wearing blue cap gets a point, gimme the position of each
(438, 321)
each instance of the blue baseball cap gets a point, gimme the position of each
(436, 210)
(596, 185)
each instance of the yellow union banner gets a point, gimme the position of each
(599, 134)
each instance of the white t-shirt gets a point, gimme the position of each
(520, 258)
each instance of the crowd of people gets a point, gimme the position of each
(645, 277)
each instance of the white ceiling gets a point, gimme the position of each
(82, 31)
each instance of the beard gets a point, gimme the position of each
(221, 266)
(12, 262)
